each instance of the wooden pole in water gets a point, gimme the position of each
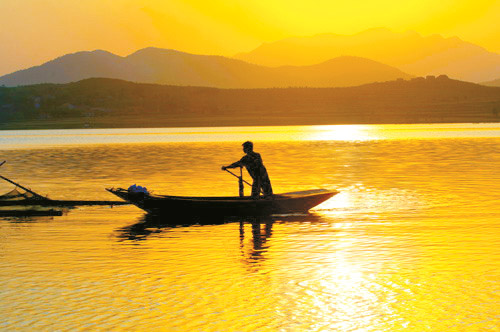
(240, 183)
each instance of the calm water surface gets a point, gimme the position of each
(411, 243)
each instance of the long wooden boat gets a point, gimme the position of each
(293, 202)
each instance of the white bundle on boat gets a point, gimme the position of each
(138, 189)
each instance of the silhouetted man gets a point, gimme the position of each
(253, 163)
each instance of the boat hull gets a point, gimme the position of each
(226, 206)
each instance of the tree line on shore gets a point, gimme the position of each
(102, 102)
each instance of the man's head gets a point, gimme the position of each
(247, 147)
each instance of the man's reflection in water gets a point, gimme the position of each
(260, 235)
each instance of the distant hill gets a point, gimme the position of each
(160, 66)
(110, 103)
(409, 51)
(492, 83)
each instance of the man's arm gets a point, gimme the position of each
(239, 163)
(233, 165)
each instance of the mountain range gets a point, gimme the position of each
(408, 51)
(324, 60)
(164, 66)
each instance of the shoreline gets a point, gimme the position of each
(40, 125)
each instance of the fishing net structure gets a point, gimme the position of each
(16, 195)
(21, 203)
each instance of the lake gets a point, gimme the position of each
(410, 243)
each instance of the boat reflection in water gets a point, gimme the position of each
(156, 223)
(253, 232)
(261, 226)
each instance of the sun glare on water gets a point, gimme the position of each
(341, 133)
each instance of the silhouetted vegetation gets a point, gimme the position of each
(100, 102)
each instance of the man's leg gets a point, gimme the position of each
(256, 188)
(266, 185)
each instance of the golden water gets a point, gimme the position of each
(411, 243)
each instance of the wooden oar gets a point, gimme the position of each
(237, 177)
(243, 181)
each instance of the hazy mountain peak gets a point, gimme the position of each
(88, 53)
(101, 52)
(153, 51)
(74, 58)
(166, 66)
(408, 51)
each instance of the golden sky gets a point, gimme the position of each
(35, 31)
